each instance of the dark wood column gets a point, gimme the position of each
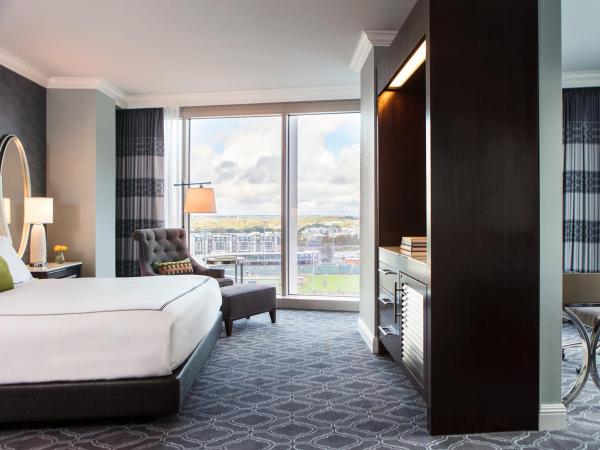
(482, 208)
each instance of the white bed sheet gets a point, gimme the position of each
(103, 328)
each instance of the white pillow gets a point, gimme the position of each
(17, 267)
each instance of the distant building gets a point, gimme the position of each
(209, 243)
(316, 246)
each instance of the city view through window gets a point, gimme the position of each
(242, 158)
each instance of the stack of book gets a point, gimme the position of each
(414, 246)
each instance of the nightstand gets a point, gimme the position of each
(53, 270)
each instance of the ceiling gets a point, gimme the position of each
(170, 47)
(191, 46)
(581, 35)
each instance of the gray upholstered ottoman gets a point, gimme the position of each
(245, 300)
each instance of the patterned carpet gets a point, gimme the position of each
(307, 382)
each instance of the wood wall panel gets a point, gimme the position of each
(484, 132)
(414, 29)
(401, 166)
(483, 348)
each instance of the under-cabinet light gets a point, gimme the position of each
(410, 67)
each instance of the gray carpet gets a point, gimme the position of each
(307, 382)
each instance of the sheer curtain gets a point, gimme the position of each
(173, 167)
(581, 110)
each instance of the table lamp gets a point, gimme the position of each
(38, 211)
(7, 210)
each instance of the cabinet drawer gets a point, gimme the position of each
(63, 273)
(389, 278)
(390, 338)
(388, 313)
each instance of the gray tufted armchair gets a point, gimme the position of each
(169, 244)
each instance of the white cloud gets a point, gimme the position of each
(246, 172)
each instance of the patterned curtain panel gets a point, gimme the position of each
(140, 185)
(581, 137)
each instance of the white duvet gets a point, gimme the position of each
(103, 328)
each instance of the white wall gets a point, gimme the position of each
(552, 412)
(80, 176)
(368, 214)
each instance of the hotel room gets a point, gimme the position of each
(299, 224)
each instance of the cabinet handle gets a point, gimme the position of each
(385, 301)
(395, 302)
(388, 272)
(396, 291)
(384, 331)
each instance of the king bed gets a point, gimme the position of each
(99, 347)
(93, 347)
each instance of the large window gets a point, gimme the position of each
(327, 176)
(241, 156)
(287, 192)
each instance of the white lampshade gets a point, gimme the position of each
(39, 210)
(7, 209)
(200, 200)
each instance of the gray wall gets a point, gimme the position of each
(81, 176)
(551, 195)
(23, 112)
(106, 169)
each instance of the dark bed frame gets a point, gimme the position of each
(134, 397)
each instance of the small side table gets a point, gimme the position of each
(54, 271)
(228, 260)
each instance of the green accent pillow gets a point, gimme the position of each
(6, 279)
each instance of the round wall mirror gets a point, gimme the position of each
(16, 185)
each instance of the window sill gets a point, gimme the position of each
(322, 303)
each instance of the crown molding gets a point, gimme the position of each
(361, 53)
(381, 38)
(97, 84)
(305, 94)
(30, 72)
(23, 68)
(581, 78)
(300, 94)
(368, 40)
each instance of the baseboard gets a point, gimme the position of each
(371, 341)
(318, 304)
(552, 416)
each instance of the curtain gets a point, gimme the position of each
(140, 174)
(173, 168)
(581, 138)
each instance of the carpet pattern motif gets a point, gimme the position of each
(307, 382)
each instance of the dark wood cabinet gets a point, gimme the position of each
(401, 311)
(388, 306)
(457, 161)
(413, 328)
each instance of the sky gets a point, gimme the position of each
(242, 158)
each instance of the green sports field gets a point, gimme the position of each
(324, 284)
